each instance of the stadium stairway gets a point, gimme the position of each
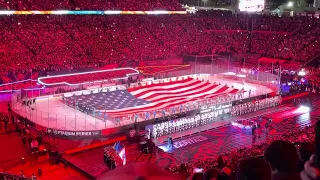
(94, 165)
(89, 170)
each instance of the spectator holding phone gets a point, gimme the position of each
(310, 172)
(312, 167)
(306, 149)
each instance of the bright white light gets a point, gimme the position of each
(241, 75)
(302, 109)
(6, 12)
(112, 12)
(60, 12)
(290, 4)
(241, 125)
(164, 147)
(302, 73)
(304, 117)
(289, 83)
(157, 12)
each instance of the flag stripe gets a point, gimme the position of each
(168, 85)
(204, 89)
(176, 101)
(216, 90)
(158, 106)
(176, 90)
(173, 88)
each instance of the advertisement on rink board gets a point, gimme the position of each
(73, 133)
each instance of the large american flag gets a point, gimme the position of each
(168, 94)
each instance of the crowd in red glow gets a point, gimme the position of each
(142, 5)
(55, 43)
(224, 166)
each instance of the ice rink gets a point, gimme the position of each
(51, 112)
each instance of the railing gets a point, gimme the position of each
(236, 73)
(318, 55)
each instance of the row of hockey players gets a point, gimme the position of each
(182, 124)
(254, 106)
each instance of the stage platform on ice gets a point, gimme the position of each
(116, 110)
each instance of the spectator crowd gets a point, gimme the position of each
(286, 155)
(142, 5)
(68, 42)
(56, 43)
